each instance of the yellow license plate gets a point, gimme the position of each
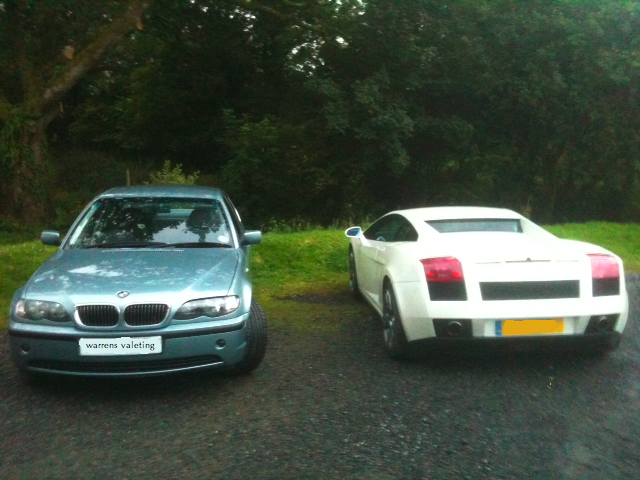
(529, 327)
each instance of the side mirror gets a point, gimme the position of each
(251, 237)
(353, 232)
(50, 238)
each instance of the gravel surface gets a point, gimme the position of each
(332, 406)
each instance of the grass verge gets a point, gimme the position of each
(621, 239)
(289, 264)
(18, 261)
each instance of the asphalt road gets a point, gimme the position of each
(328, 404)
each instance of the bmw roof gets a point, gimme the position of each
(195, 191)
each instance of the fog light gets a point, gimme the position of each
(221, 343)
(25, 347)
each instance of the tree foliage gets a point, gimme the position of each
(47, 47)
(327, 109)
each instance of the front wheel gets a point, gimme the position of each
(256, 348)
(395, 340)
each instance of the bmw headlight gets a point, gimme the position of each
(41, 310)
(208, 307)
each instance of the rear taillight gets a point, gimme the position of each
(443, 269)
(445, 278)
(605, 274)
(603, 266)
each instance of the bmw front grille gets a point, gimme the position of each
(137, 315)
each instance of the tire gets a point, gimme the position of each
(395, 340)
(353, 276)
(257, 339)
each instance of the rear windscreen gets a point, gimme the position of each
(476, 225)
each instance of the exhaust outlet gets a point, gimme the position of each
(454, 328)
(603, 324)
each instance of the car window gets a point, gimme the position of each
(392, 228)
(476, 225)
(156, 220)
(406, 233)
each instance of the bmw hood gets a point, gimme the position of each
(145, 274)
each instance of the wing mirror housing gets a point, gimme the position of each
(50, 238)
(251, 237)
(353, 232)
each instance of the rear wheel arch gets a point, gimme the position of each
(387, 282)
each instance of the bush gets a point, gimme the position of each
(171, 176)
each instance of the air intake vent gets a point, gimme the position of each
(530, 290)
(98, 315)
(145, 314)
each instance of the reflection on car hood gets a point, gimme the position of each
(96, 272)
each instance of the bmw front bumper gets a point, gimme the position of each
(183, 349)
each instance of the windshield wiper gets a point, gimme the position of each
(196, 245)
(130, 244)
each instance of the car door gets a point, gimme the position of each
(381, 236)
(391, 251)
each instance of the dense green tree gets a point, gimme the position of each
(163, 93)
(558, 85)
(47, 47)
(196, 63)
(349, 108)
(365, 89)
(531, 105)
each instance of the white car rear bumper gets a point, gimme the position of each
(417, 314)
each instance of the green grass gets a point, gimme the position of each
(299, 263)
(284, 264)
(18, 261)
(621, 239)
(287, 264)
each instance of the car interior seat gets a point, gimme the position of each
(204, 220)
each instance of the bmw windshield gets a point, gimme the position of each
(152, 222)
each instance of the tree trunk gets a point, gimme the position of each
(23, 167)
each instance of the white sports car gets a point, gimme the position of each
(447, 273)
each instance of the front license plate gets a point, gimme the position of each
(120, 346)
(529, 327)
